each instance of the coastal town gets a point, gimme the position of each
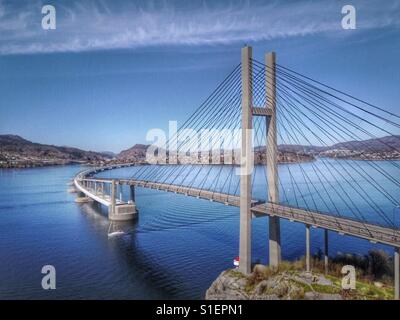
(17, 152)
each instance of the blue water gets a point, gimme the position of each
(176, 248)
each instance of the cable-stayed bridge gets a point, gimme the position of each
(269, 126)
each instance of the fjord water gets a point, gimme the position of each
(175, 249)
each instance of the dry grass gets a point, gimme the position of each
(377, 265)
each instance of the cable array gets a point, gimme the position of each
(319, 127)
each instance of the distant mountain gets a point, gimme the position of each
(108, 154)
(137, 152)
(11, 139)
(295, 148)
(17, 151)
(385, 144)
(386, 147)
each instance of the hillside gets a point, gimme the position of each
(137, 152)
(16, 151)
(383, 144)
(385, 148)
(373, 149)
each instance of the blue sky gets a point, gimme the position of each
(112, 70)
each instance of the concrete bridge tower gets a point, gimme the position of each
(272, 160)
(246, 163)
(247, 160)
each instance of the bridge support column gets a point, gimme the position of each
(246, 163)
(326, 251)
(272, 161)
(397, 273)
(122, 211)
(308, 249)
(113, 202)
(132, 191)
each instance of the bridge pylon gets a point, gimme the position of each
(272, 159)
(246, 163)
(247, 159)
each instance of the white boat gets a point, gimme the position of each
(115, 233)
(112, 233)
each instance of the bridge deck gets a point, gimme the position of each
(96, 195)
(343, 225)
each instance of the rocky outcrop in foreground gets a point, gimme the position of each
(266, 284)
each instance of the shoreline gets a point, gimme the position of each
(29, 165)
(40, 165)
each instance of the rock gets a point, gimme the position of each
(330, 296)
(295, 293)
(261, 287)
(232, 285)
(227, 286)
(378, 284)
(281, 289)
(259, 268)
(324, 281)
(310, 279)
(322, 296)
(265, 297)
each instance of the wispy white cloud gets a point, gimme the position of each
(97, 25)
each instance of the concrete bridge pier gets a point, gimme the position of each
(132, 193)
(113, 202)
(81, 198)
(326, 251)
(397, 273)
(308, 249)
(132, 200)
(120, 211)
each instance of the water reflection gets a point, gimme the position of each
(97, 214)
(129, 251)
